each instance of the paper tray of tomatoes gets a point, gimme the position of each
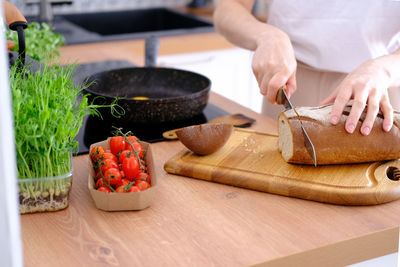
(126, 185)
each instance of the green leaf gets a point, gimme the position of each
(41, 41)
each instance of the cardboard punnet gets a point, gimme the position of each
(124, 201)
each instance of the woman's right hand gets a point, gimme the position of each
(274, 64)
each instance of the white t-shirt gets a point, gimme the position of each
(338, 35)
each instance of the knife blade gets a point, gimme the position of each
(282, 99)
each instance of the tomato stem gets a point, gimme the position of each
(118, 131)
(105, 181)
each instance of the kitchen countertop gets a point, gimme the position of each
(197, 223)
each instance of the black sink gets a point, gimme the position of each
(124, 25)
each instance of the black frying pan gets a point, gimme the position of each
(151, 94)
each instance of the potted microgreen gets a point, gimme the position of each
(47, 117)
(48, 113)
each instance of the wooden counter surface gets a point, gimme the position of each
(191, 222)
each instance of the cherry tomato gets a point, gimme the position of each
(121, 189)
(112, 176)
(133, 188)
(135, 146)
(123, 182)
(104, 188)
(127, 188)
(130, 166)
(98, 176)
(108, 155)
(99, 183)
(143, 167)
(143, 176)
(96, 152)
(142, 185)
(106, 164)
(131, 139)
(117, 144)
(125, 154)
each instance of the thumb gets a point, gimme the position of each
(329, 100)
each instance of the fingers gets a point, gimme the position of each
(372, 112)
(274, 70)
(377, 102)
(341, 100)
(271, 82)
(329, 100)
(291, 85)
(269, 86)
(261, 73)
(387, 112)
(264, 83)
(364, 97)
(355, 113)
(274, 84)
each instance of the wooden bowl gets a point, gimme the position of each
(206, 138)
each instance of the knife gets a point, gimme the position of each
(282, 99)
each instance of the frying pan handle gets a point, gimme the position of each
(171, 134)
(152, 46)
(16, 22)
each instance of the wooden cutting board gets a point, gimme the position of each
(251, 160)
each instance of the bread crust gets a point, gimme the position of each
(333, 145)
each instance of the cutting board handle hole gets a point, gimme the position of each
(393, 173)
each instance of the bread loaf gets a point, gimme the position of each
(333, 145)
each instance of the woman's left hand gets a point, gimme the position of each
(368, 87)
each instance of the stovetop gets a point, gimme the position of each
(95, 129)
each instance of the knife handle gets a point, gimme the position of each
(280, 96)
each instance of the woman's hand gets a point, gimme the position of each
(274, 64)
(368, 87)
